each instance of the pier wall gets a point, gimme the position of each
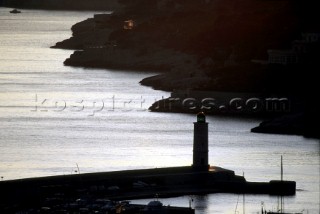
(122, 185)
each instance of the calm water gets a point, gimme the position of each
(53, 117)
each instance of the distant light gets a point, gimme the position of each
(128, 25)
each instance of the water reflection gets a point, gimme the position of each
(200, 203)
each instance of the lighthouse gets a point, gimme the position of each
(200, 143)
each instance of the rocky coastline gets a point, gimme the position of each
(165, 36)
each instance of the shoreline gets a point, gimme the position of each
(105, 43)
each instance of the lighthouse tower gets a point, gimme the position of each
(200, 143)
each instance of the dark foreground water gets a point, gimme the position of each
(54, 117)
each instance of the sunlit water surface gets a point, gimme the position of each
(54, 117)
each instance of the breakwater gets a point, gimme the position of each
(134, 184)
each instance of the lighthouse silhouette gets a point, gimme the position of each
(200, 143)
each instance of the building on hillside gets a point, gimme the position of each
(128, 25)
(297, 53)
(283, 57)
(311, 37)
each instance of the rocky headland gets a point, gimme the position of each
(55, 192)
(212, 46)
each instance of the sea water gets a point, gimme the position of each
(54, 119)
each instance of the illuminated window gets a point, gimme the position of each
(128, 25)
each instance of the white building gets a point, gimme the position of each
(311, 37)
(283, 57)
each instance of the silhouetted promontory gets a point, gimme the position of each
(247, 46)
